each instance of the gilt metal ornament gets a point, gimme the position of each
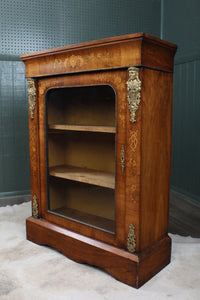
(35, 212)
(133, 92)
(131, 243)
(31, 96)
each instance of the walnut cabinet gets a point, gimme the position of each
(100, 141)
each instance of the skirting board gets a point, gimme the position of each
(12, 198)
(184, 215)
(132, 269)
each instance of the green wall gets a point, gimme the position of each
(28, 26)
(14, 159)
(95, 19)
(181, 24)
(25, 26)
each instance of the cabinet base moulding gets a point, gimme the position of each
(132, 269)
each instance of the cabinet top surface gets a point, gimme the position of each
(102, 42)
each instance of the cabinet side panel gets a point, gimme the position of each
(155, 155)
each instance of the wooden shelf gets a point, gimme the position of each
(63, 127)
(94, 220)
(95, 177)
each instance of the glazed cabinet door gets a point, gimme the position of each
(82, 125)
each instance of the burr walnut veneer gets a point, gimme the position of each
(100, 141)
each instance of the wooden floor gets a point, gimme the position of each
(184, 215)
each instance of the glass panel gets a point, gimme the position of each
(81, 154)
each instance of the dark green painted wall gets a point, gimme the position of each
(95, 19)
(181, 24)
(27, 26)
(185, 172)
(14, 159)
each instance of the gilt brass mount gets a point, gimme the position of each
(35, 212)
(133, 89)
(31, 96)
(131, 243)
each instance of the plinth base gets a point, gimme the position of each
(132, 269)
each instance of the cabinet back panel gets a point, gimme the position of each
(87, 105)
(66, 196)
(82, 149)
